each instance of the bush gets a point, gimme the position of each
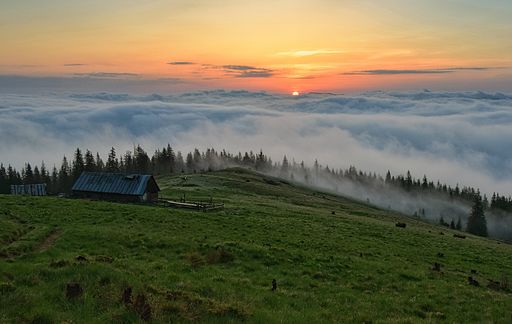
(219, 256)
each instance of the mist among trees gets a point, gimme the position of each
(368, 186)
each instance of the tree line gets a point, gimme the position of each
(168, 161)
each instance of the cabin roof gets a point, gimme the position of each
(114, 183)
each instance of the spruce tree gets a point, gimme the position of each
(458, 226)
(89, 163)
(112, 164)
(476, 222)
(78, 164)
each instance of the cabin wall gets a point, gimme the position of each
(151, 196)
(107, 196)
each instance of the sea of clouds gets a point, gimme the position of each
(454, 137)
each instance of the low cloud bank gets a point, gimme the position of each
(456, 137)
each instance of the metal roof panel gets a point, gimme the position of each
(115, 183)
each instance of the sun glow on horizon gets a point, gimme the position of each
(295, 93)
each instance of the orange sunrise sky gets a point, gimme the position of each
(280, 46)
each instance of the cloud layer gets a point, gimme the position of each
(456, 137)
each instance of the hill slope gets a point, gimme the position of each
(350, 265)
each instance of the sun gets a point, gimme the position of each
(295, 93)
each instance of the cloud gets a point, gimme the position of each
(255, 74)
(456, 137)
(246, 71)
(22, 66)
(108, 75)
(181, 63)
(415, 71)
(304, 53)
(82, 83)
(75, 64)
(239, 67)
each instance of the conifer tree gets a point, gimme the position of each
(89, 163)
(476, 222)
(78, 164)
(458, 226)
(112, 164)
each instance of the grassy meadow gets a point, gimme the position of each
(334, 260)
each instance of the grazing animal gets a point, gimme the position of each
(441, 255)
(459, 236)
(274, 285)
(402, 225)
(494, 285)
(473, 282)
(473, 271)
(436, 266)
(81, 258)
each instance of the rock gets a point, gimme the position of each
(142, 307)
(73, 290)
(436, 266)
(126, 298)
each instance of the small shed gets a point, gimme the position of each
(38, 189)
(116, 187)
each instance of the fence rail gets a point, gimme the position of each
(191, 205)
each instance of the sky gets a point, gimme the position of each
(402, 85)
(278, 46)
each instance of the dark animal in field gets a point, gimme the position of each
(473, 282)
(142, 307)
(81, 258)
(274, 285)
(333, 213)
(459, 236)
(126, 298)
(441, 233)
(436, 266)
(473, 271)
(494, 285)
(441, 255)
(402, 225)
(73, 290)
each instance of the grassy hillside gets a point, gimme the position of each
(334, 259)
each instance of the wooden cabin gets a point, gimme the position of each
(116, 187)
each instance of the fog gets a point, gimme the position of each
(454, 137)
(422, 204)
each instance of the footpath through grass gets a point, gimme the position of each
(334, 260)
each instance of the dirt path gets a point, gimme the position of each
(48, 241)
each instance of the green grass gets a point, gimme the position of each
(350, 266)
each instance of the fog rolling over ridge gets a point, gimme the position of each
(456, 137)
(423, 205)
